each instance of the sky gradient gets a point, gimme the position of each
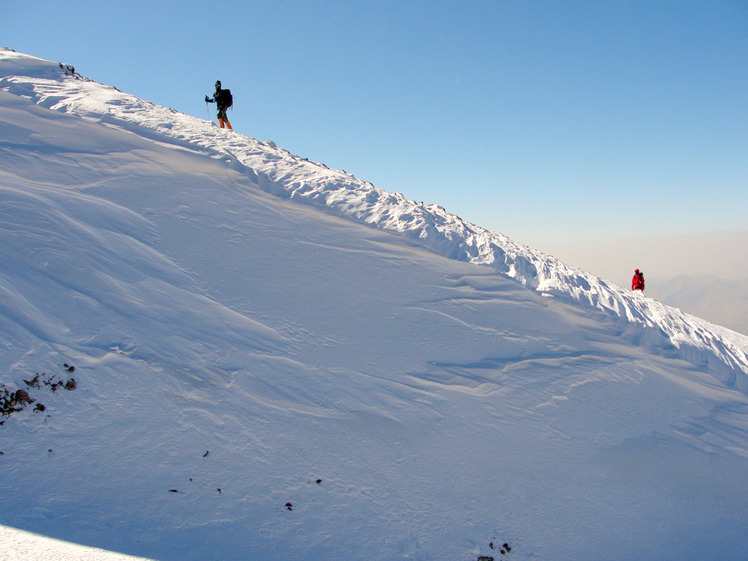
(563, 125)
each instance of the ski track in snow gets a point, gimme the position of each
(210, 397)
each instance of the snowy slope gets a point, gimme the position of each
(284, 174)
(240, 331)
(25, 546)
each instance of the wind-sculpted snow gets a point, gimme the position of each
(275, 360)
(277, 171)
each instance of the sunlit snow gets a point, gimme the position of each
(276, 360)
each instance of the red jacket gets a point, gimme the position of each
(637, 283)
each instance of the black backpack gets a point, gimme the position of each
(225, 98)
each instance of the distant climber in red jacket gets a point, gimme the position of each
(637, 283)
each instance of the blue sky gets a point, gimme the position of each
(559, 124)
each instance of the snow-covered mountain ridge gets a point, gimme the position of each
(58, 87)
(262, 372)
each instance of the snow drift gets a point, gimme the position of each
(274, 359)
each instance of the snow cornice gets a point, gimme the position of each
(667, 330)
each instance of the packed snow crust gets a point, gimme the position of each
(251, 330)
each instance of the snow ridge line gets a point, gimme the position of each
(664, 329)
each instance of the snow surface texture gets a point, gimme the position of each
(22, 546)
(356, 377)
